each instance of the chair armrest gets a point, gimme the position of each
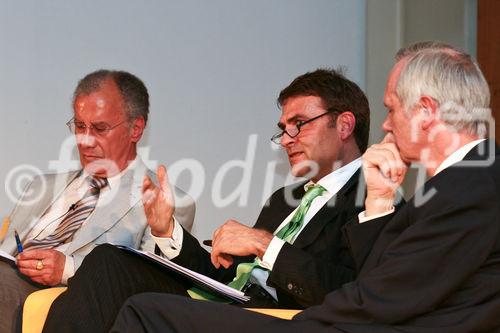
(280, 313)
(37, 306)
(4, 228)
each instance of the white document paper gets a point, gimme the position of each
(6, 255)
(200, 278)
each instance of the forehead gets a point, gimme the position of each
(101, 105)
(390, 96)
(300, 106)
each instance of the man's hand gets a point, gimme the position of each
(159, 204)
(234, 238)
(384, 171)
(52, 265)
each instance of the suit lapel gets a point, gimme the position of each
(326, 214)
(279, 214)
(52, 187)
(55, 186)
(112, 208)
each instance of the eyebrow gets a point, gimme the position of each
(93, 123)
(292, 119)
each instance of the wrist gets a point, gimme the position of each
(263, 243)
(164, 232)
(378, 205)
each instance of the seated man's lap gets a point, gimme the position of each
(14, 288)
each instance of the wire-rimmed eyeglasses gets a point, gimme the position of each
(79, 127)
(294, 131)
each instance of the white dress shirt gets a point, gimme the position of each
(332, 183)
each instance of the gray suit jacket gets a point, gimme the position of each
(120, 221)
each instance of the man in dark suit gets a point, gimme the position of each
(324, 129)
(435, 265)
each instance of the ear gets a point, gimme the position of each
(427, 111)
(137, 129)
(346, 122)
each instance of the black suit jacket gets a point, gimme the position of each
(435, 266)
(318, 261)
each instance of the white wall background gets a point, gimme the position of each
(213, 70)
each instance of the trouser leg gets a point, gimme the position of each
(106, 278)
(152, 312)
(14, 288)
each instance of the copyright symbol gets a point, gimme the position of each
(16, 181)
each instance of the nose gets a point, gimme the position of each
(286, 140)
(386, 125)
(86, 139)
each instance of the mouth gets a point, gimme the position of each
(91, 157)
(294, 155)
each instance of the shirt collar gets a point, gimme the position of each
(115, 180)
(457, 156)
(335, 180)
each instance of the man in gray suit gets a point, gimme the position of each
(60, 218)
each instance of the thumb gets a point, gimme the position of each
(162, 177)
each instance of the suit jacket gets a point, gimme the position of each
(435, 265)
(121, 221)
(317, 262)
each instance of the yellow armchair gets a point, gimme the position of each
(37, 305)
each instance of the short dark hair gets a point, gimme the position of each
(132, 89)
(337, 94)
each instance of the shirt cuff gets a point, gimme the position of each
(171, 247)
(362, 216)
(69, 269)
(271, 254)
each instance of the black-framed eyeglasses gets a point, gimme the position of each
(294, 131)
(79, 127)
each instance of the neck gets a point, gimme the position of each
(442, 147)
(336, 165)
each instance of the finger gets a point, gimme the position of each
(40, 279)
(162, 177)
(33, 254)
(149, 196)
(387, 159)
(48, 263)
(146, 183)
(214, 258)
(26, 263)
(225, 260)
(215, 236)
(389, 138)
(396, 166)
(165, 184)
(31, 272)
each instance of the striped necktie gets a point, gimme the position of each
(287, 233)
(76, 215)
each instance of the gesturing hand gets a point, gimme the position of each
(42, 266)
(234, 238)
(159, 204)
(384, 171)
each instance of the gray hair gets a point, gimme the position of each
(132, 89)
(452, 78)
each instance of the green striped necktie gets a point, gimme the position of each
(287, 233)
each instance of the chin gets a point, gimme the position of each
(101, 168)
(304, 168)
(303, 171)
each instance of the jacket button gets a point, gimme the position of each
(290, 286)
